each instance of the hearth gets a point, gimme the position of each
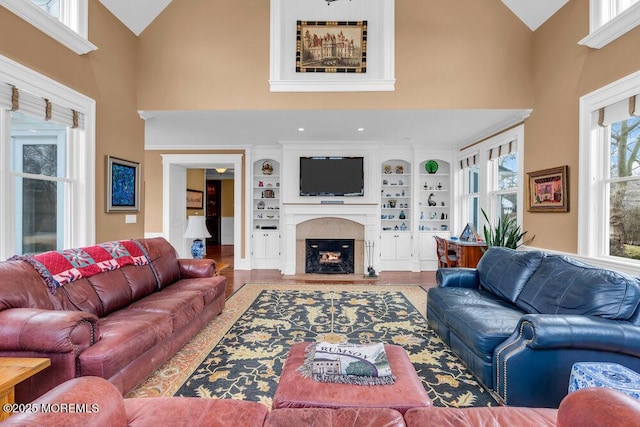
(329, 256)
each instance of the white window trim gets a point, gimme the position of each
(592, 170)
(82, 208)
(33, 14)
(486, 176)
(601, 35)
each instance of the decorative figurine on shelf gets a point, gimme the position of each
(430, 200)
(425, 185)
(267, 168)
(403, 226)
(421, 214)
(402, 215)
(439, 187)
(392, 203)
(388, 169)
(399, 169)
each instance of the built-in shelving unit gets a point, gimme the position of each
(395, 197)
(434, 200)
(266, 194)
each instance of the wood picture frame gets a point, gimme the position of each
(123, 185)
(331, 47)
(549, 190)
(195, 199)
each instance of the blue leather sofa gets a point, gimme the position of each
(521, 319)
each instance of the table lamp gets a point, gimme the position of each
(197, 230)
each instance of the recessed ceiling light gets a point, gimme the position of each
(360, 129)
(300, 129)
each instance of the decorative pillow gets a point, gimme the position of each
(504, 271)
(347, 364)
(563, 285)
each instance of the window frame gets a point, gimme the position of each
(467, 196)
(81, 203)
(594, 170)
(601, 34)
(48, 138)
(488, 190)
(72, 34)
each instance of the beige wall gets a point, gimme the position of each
(106, 75)
(202, 54)
(563, 72)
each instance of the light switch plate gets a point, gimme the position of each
(130, 219)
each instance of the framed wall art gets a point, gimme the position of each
(195, 199)
(549, 190)
(123, 185)
(331, 47)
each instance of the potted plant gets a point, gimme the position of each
(506, 233)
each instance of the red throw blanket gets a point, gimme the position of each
(58, 268)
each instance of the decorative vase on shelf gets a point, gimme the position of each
(431, 166)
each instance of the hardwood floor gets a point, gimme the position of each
(237, 278)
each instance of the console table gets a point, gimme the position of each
(14, 370)
(468, 253)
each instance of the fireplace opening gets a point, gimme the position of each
(329, 256)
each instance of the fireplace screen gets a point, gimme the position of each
(329, 256)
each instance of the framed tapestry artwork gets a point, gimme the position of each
(123, 185)
(195, 199)
(331, 47)
(549, 190)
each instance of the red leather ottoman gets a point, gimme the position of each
(296, 391)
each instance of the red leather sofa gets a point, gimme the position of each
(96, 402)
(119, 325)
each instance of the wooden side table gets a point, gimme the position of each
(14, 370)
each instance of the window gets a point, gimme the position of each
(504, 193)
(39, 167)
(52, 7)
(47, 173)
(610, 19)
(609, 199)
(63, 20)
(491, 179)
(471, 191)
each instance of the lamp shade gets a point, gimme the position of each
(196, 228)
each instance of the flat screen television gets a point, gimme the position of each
(332, 176)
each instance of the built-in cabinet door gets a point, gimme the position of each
(266, 245)
(403, 246)
(395, 246)
(388, 245)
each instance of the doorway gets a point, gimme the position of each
(174, 199)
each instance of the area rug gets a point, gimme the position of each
(240, 354)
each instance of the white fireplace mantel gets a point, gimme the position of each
(294, 214)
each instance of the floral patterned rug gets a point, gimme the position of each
(240, 354)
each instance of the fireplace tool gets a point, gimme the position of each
(369, 245)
